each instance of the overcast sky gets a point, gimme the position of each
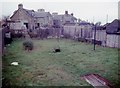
(91, 10)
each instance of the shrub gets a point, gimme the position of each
(82, 39)
(28, 45)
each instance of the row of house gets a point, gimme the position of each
(32, 19)
(29, 19)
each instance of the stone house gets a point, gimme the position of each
(30, 19)
(23, 17)
(43, 18)
(63, 19)
(69, 18)
(113, 27)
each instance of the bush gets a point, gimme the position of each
(28, 45)
(82, 39)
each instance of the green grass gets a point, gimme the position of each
(42, 67)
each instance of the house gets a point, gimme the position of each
(30, 19)
(57, 20)
(113, 27)
(85, 25)
(63, 19)
(23, 17)
(43, 18)
(113, 34)
(69, 18)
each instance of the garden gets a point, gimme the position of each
(43, 67)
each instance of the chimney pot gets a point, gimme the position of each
(20, 6)
(66, 12)
(71, 14)
(41, 10)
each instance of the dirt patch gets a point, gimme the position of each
(40, 74)
(58, 74)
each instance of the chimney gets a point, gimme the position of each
(41, 10)
(71, 14)
(66, 12)
(55, 13)
(20, 6)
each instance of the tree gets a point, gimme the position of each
(5, 19)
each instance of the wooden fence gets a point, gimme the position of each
(87, 33)
(0, 42)
(78, 31)
(113, 40)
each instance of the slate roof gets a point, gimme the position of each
(37, 14)
(74, 18)
(113, 27)
(57, 17)
(30, 12)
(84, 23)
(33, 13)
(41, 14)
(60, 17)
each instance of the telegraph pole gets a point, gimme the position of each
(107, 18)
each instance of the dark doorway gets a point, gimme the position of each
(38, 25)
(26, 24)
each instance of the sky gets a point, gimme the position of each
(88, 10)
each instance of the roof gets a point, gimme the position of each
(33, 13)
(113, 27)
(41, 14)
(57, 17)
(84, 23)
(68, 15)
(69, 24)
(30, 12)
(60, 17)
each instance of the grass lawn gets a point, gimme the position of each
(42, 67)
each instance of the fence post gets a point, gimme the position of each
(81, 33)
(0, 42)
(94, 37)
